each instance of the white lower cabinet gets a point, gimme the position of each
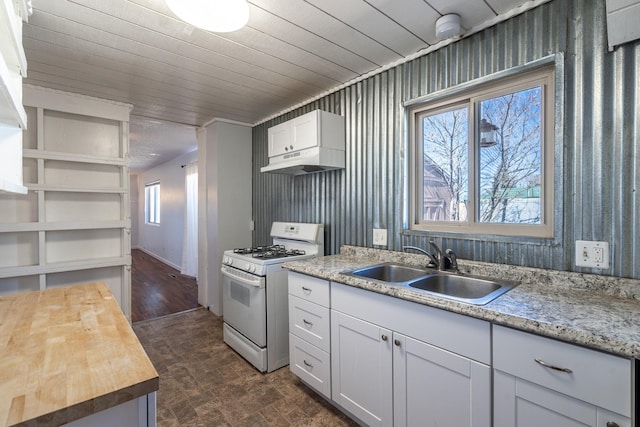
(391, 362)
(386, 378)
(433, 387)
(543, 382)
(140, 412)
(309, 339)
(361, 369)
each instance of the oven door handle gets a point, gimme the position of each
(250, 280)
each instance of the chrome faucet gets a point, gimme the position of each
(452, 260)
(433, 261)
(439, 256)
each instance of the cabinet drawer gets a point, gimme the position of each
(309, 288)
(598, 378)
(311, 364)
(310, 322)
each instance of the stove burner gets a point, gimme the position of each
(252, 250)
(271, 251)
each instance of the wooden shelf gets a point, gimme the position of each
(44, 187)
(61, 226)
(29, 270)
(80, 158)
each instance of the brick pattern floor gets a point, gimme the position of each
(205, 383)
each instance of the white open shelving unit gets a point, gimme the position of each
(73, 226)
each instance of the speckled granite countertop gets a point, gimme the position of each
(599, 312)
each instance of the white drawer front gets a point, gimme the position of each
(311, 364)
(309, 288)
(310, 322)
(598, 378)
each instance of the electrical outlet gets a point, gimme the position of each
(592, 254)
(380, 236)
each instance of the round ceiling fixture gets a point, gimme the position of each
(219, 16)
(448, 26)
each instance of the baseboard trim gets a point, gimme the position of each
(159, 258)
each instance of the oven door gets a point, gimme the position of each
(244, 304)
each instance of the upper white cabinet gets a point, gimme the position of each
(13, 118)
(315, 129)
(540, 381)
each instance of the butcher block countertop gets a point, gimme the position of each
(66, 353)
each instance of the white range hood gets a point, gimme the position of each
(311, 143)
(310, 160)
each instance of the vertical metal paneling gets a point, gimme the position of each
(598, 153)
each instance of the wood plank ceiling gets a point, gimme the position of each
(136, 51)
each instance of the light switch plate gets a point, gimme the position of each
(380, 236)
(592, 254)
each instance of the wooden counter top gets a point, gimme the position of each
(66, 353)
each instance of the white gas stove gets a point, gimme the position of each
(292, 241)
(255, 294)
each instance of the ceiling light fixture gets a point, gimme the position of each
(220, 16)
(448, 26)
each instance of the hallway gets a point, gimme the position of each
(158, 289)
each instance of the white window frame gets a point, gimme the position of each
(470, 95)
(152, 203)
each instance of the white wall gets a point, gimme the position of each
(164, 241)
(224, 181)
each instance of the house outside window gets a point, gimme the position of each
(152, 203)
(482, 159)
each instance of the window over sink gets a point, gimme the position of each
(482, 157)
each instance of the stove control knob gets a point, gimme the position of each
(253, 268)
(248, 267)
(229, 261)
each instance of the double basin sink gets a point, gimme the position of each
(468, 289)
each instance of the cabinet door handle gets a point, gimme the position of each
(306, 322)
(612, 424)
(555, 368)
(308, 364)
(306, 290)
(384, 337)
(291, 147)
(397, 342)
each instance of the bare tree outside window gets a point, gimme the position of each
(511, 165)
(445, 165)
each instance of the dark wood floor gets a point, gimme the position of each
(158, 289)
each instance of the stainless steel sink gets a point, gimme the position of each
(474, 290)
(468, 289)
(389, 272)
